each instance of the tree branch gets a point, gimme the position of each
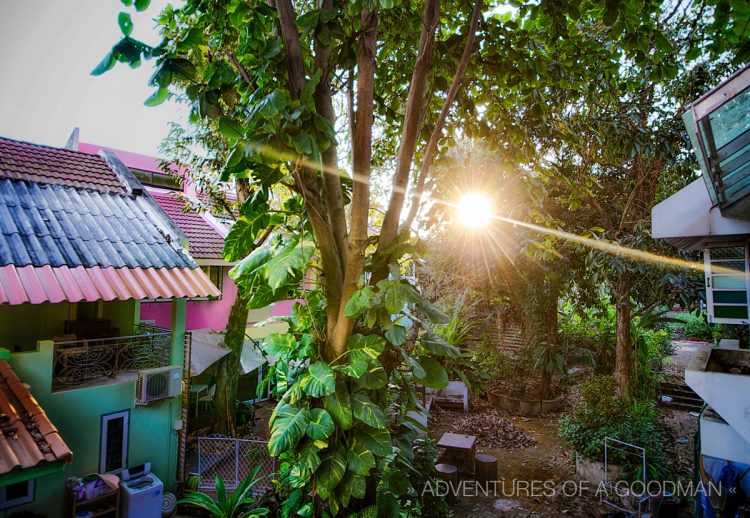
(410, 130)
(429, 157)
(289, 35)
(362, 170)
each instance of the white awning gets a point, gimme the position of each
(207, 347)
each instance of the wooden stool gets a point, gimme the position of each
(486, 468)
(449, 473)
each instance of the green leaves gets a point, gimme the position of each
(359, 302)
(158, 97)
(287, 428)
(360, 460)
(398, 295)
(374, 377)
(319, 380)
(279, 345)
(367, 411)
(339, 406)
(125, 23)
(320, 426)
(230, 128)
(105, 64)
(435, 375)
(142, 5)
(396, 334)
(290, 260)
(331, 471)
(377, 440)
(365, 348)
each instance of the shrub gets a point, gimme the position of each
(601, 413)
(693, 326)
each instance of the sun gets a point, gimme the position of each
(474, 210)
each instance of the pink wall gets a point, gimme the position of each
(201, 314)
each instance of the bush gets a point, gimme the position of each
(601, 413)
(693, 326)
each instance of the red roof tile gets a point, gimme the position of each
(35, 163)
(27, 437)
(204, 240)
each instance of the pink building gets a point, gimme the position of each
(204, 235)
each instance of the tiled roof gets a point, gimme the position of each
(204, 240)
(27, 438)
(56, 225)
(35, 163)
(35, 284)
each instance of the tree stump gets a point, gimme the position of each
(449, 474)
(486, 468)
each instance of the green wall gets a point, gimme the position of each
(21, 327)
(77, 415)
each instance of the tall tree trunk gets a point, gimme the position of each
(624, 347)
(228, 369)
(545, 383)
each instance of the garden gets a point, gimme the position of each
(455, 194)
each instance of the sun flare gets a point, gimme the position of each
(474, 210)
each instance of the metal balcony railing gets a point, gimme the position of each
(101, 361)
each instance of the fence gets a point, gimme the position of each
(233, 460)
(90, 361)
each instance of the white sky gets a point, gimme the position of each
(47, 51)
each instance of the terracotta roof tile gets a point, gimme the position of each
(27, 437)
(43, 164)
(205, 241)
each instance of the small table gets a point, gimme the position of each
(197, 389)
(463, 445)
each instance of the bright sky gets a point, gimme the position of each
(47, 51)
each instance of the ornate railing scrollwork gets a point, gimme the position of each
(97, 361)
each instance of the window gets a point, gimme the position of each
(113, 448)
(17, 494)
(156, 179)
(216, 275)
(727, 283)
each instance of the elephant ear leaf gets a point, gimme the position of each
(319, 380)
(289, 426)
(435, 375)
(320, 426)
(339, 406)
(367, 411)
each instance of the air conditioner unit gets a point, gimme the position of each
(159, 383)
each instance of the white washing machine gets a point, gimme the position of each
(141, 493)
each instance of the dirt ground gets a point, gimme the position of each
(546, 461)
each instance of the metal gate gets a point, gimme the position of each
(233, 460)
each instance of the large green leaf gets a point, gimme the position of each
(432, 313)
(366, 411)
(125, 23)
(398, 294)
(438, 346)
(158, 97)
(330, 472)
(289, 261)
(435, 375)
(289, 426)
(378, 441)
(352, 485)
(339, 406)
(279, 345)
(414, 365)
(374, 376)
(353, 369)
(396, 334)
(320, 426)
(359, 458)
(365, 347)
(141, 5)
(308, 456)
(105, 64)
(250, 264)
(359, 301)
(230, 128)
(319, 380)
